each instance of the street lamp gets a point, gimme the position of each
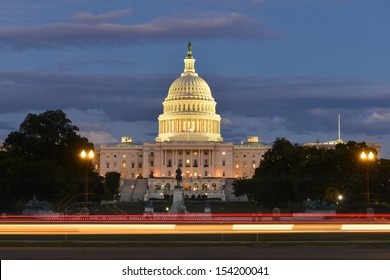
(86, 156)
(367, 158)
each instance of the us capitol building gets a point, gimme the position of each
(189, 136)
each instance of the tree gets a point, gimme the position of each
(290, 174)
(111, 184)
(47, 136)
(243, 186)
(9, 179)
(47, 146)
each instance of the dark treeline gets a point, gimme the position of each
(42, 159)
(292, 174)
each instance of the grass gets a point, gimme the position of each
(191, 206)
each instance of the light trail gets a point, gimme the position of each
(269, 227)
(83, 229)
(366, 227)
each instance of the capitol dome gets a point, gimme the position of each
(189, 110)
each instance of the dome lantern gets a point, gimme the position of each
(189, 63)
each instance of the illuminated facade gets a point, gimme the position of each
(189, 136)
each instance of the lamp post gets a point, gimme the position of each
(367, 158)
(88, 157)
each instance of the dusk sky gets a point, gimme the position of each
(276, 68)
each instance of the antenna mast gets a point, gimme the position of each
(339, 129)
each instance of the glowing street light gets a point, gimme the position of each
(367, 158)
(86, 156)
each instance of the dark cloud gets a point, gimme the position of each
(231, 25)
(120, 97)
(77, 64)
(305, 104)
(6, 125)
(246, 104)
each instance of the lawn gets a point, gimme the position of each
(191, 206)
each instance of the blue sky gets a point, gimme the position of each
(277, 68)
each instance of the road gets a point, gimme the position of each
(193, 252)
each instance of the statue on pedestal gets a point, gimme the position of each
(179, 178)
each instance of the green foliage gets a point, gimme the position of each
(9, 179)
(290, 174)
(45, 157)
(111, 184)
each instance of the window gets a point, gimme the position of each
(132, 175)
(223, 163)
(206, 173)
(169, 163)
(223, 173)
(123, 164)
(108, 165)
(140, 165)
(132, 165)
(114, 164)
(151, 163)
